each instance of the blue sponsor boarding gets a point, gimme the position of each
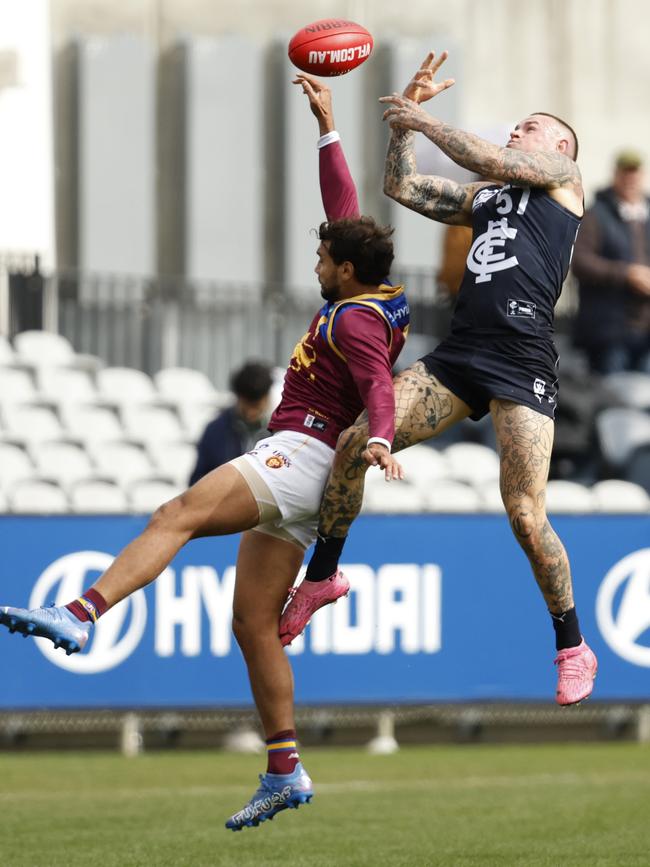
(433, 597)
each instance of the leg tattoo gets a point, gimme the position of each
(423, 408)
(525, 441)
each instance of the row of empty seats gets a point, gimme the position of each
(66, 462)
(465, 478)
(76, 436)
(87, 496)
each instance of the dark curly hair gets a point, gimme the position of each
(362, 242)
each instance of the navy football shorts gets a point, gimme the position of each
(522, 371)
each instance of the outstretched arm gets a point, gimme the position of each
(338, 191)
(434, 197)
(538, 169)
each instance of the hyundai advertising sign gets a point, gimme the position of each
(442, 608)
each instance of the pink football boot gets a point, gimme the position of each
(306, 599)
(576, 670)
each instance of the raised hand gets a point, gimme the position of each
(405, 113)
(422, 86)
(320, 100)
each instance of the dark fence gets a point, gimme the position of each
(151, 323)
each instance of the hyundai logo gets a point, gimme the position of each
(115, 636)
(623, 607)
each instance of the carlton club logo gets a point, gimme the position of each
(114, 637)
(623, 608)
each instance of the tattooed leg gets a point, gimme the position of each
(423, 409)
(525, 440)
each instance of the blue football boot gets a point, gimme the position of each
(56, 623)
(276, 792)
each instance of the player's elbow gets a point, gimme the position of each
(392, 188)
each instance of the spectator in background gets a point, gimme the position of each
(611, 262)
(240, 426)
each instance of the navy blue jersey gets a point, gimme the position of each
(521, 249)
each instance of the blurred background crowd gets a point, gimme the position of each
(159, 180)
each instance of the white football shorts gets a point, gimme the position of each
(287, 472)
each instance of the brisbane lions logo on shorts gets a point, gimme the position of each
(277, 461)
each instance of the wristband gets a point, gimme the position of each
(380, 440)
(328, 138)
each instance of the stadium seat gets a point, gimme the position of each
(99, 497)
(64, 461)
(146, 495)
(490, 496)
(125, 386)
(152, 423)
(423, 465)
(42, 348)
(637, 469)
(472, 463)
(92, 424)
(618, 495)
(32, 422)
(7, 355)
(17, 385)
(122, 461)
(452, 496)
(174, 459)
(392, 497)
(64, 385)
(630, 387)
(196, 416)
(15, 465)
(620, 431)
(37, 497)
(563, 496)
(185, 385)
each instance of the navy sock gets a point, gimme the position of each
(567, 629)
(325, 559)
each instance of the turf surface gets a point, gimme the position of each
(477, 805)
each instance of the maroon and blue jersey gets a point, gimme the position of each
(344, 362)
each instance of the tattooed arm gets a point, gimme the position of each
(547, 169)
(437, 198)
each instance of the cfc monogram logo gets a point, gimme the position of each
(487, 256)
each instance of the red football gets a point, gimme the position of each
(330, 47)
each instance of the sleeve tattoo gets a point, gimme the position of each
(434, 197)
(539, 169)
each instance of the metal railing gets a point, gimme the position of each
(151, 323)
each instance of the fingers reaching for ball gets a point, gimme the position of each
(422, 86)
(320, 100)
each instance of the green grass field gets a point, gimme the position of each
(476, 805)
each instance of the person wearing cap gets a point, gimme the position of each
(611, 262)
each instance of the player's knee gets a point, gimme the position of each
(351, 444)
(525, 521)
(250, 629)
(171, 516)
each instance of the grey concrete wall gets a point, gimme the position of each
(116, 169)
(585, 60)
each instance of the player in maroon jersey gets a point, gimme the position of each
(272, 494)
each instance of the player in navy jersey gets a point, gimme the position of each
(499, 357)
(272, 494)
